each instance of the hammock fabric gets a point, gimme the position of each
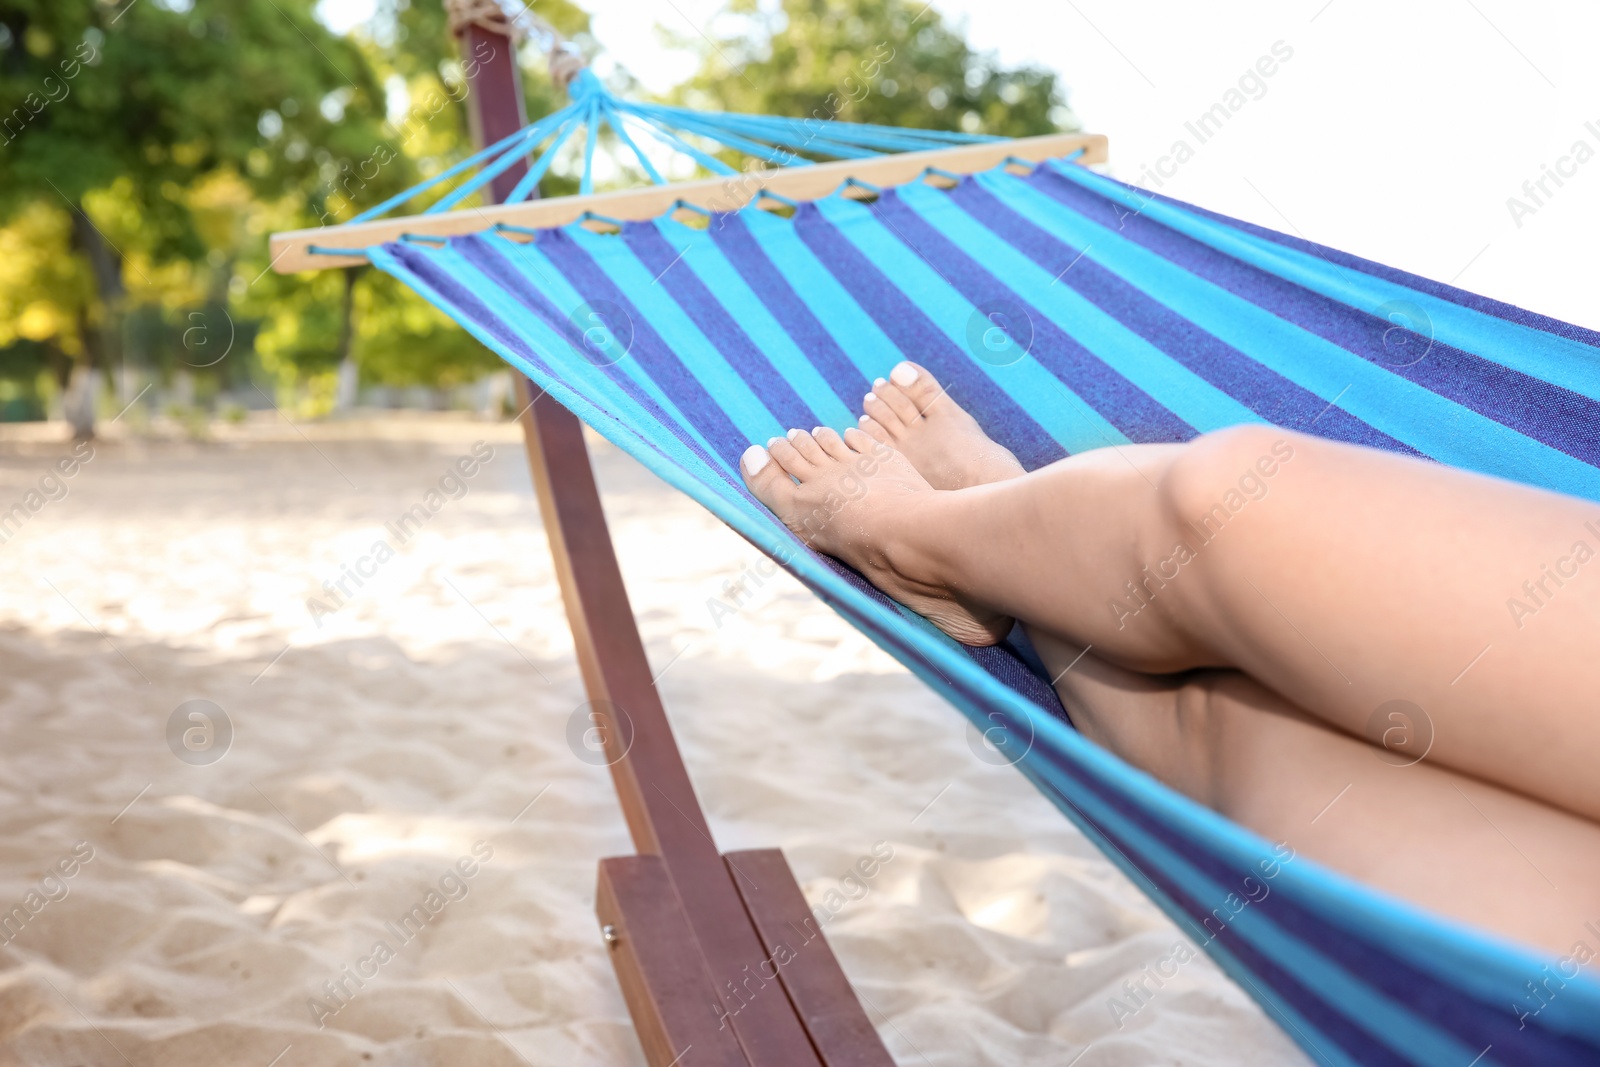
(1070, 312)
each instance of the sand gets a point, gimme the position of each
(418, 730)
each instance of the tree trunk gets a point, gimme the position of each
(102, 333)
(349, 375)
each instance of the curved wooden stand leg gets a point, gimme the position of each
(682, 936)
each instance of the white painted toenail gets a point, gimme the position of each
(869, 399)
(772, 441)
(903, 374)
(793, 433)
(863, 420)
(879, 381)
(754, 459)
(816, 430)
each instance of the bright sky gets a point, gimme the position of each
(1395, 130)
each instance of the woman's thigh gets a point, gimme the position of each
(1448, 842)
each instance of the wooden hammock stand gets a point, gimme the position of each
(719, 957)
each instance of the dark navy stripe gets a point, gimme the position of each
(1119, 401)
(919, 339)
(742, 250)
(1005, 664)
(1539, 410)
(674, 274)
(653, 354)
(1260, 388)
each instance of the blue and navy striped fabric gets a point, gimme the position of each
(1127, 318)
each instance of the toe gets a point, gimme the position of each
(807, 446)
(862, 439)
(895, 399)
(789, 458)
(765, 479)
(873, 429)
(916, 383)
(831, 443)
(879, 412)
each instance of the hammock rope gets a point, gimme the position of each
(593, 108)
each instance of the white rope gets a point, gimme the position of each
(517, 21)
(566, 63)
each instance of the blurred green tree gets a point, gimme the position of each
(399, 339)
(148, 146)
(882, 61)
(124, 117)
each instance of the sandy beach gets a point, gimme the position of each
(367, 741)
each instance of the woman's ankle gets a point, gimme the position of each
(926, 544)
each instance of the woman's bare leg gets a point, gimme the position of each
(1341, 578)
(1447, 842)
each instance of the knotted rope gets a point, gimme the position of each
(485, 14)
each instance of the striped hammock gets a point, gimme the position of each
(1070, 312)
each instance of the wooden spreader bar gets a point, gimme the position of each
(291, 251)
(686, 929)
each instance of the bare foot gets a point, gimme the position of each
(864, 503)
(913, 413)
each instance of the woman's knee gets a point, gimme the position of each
(1220, 476)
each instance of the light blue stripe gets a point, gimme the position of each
(1169, 383)
(1562, 361)
(1075, 425)
(856, 333)
(1432, 424)
(751, 315)
(699, 356)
